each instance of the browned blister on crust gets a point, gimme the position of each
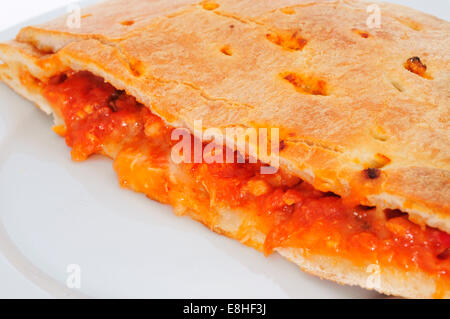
(355, 116)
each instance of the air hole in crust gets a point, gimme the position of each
(361, 33)
(289, 40)
(137, 68)
(287, 11)
(208, 5)
(397, 86)
(127, 23)
(380, 161)
(306, 85)
(226, 50)
(379, 133)
(416, 66)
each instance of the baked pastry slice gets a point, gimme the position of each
(362, 192)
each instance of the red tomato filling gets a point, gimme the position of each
(101, 119)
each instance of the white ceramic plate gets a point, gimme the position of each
(55, 213)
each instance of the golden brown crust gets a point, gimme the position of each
(374, 113)
(335, 137)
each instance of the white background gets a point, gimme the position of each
(12, 282)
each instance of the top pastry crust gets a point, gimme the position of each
(346, 97)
